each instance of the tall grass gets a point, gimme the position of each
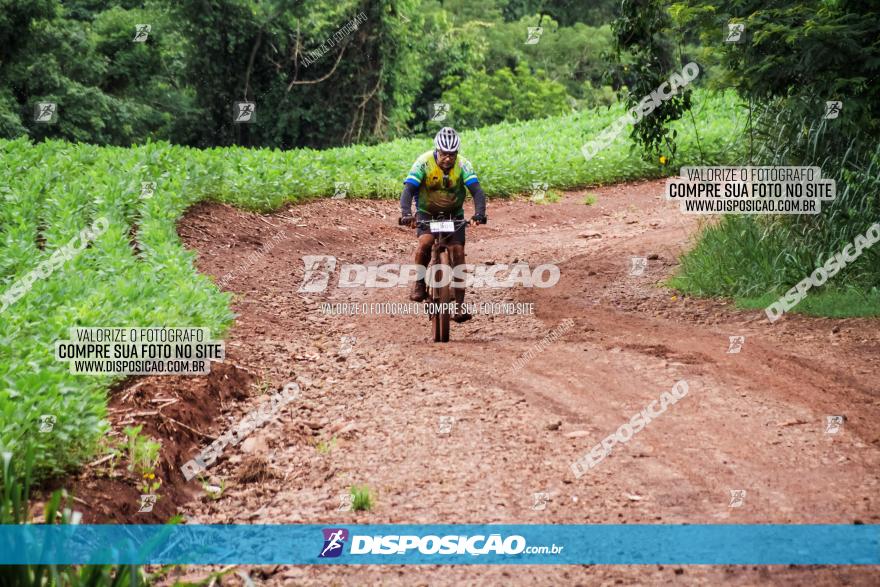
(756, 258)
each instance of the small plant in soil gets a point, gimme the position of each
(361, 498)
(325, 447)
(214, 492)
(262, 388)
(113, 450)
(551, 197)
(143, 457)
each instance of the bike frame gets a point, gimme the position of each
(440, 297)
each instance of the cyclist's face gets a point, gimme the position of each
(446, 159)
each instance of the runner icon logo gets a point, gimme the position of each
(541, 500)
(344, 502)
(334, 540)
(245, 112)
(534, 35)
(340, 189)
(737, 498)
(317, 273)
(734, 32)
(736, 344)
(445, 424)
(47, 422)
(539, 190)
(148, 500)
(439, 110)
(638, 266)
(832, 109)
(141, 32)
(833, 424)
(148, 188)
(45, 111)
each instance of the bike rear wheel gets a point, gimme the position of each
(435, 321)
(445, 300)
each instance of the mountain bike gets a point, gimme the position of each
(440, 298)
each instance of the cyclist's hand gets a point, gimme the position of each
(478, 219)
(407, 221)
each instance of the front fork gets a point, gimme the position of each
(433, 294)
(436, 250)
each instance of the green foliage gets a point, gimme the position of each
(750, 257)
(571, 12)
(240, 50)
(833, 302)
(367, 85)
(566, 12)
(106, 284)
(447, 51)
(361, 498)
(596, 96)
(108, 89)
(143, 458)
(484, 47)
(466, 10)
(16, 22)
(816, 50)
(15, 485)
(642, 31)
(325, 447)
(483, 99)
(572, 56)
(200, 58)
(794, 56)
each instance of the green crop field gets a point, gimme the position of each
(51, 191)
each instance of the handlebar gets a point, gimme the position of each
(457, 223)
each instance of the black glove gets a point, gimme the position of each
(405, 220)
(479, 219)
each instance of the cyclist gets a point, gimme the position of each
(439, 181)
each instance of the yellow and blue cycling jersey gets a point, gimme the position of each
(439, 194)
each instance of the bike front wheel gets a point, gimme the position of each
(445, 300)
(440, 298)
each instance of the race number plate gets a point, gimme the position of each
(443, 226)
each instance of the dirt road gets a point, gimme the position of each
(455, 434)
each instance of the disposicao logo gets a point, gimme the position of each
(405, 544)
(334, 540)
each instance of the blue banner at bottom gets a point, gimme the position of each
(501, 544)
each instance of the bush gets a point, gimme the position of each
(483, 99)
(794, 57)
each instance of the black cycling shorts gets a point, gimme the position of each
(455, 238)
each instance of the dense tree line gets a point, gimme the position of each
(318, 74)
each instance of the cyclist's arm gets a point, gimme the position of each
(473, 186)
(411, 185)
(479, 198)
(410, 191)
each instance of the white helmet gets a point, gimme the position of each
(447, 140)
